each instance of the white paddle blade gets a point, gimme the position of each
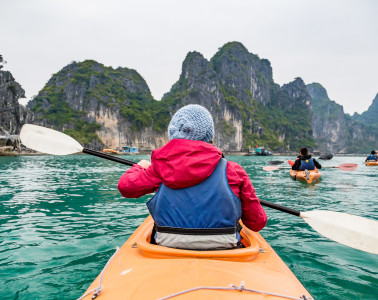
(48, 141)
(353, 231)
(270, 168)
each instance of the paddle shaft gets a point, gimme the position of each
(130, 163)
(280, 208)
(109, 157)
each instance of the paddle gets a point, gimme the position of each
(50, 141)
(353, 231)
(273, 168)
(275, 162)
(343, 167)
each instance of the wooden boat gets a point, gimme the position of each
(312, 176)
(111, 151)
(371, 163)
(140, 270)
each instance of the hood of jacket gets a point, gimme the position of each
(183, 163)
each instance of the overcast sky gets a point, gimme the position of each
(333, 42)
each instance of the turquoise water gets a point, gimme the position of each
(61, 218)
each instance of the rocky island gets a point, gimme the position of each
(103, 107)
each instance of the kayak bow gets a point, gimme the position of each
(312, 176)
(140, 270)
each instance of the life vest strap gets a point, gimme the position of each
(198, 231)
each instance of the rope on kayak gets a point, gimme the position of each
(232, 287)
(97, 291)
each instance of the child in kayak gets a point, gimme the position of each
(200, 196)
(305, 161)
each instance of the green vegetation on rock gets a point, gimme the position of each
(235, 85)
(81, 87)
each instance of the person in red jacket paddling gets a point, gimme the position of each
(200, 196)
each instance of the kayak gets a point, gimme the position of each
(371, 163)
(313, 175)
(140, 270)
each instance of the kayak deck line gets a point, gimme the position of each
(140, 270)
(97, 291)
(232, 287)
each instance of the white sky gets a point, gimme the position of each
(334, 42)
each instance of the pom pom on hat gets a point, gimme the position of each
(192, 122)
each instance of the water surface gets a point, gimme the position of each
(61, 218)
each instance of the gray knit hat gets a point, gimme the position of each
(191, 122)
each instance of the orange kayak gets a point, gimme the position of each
(371, 163)
(140, 270)
(313, 175)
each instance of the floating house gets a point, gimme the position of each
(126, 149)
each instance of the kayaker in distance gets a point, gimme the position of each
(305, 162)
(371, 157)
(201, 196)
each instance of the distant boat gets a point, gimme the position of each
(112, 151)
(327, 156)
(262, 151)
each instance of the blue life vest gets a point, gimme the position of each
(203, 216)
(307, 164)
(372, 157)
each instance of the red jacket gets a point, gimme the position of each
(184, 163)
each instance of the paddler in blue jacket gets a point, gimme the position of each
(371, 157)
(305, 161)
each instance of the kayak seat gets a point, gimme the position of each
(250, 250)
(153, 239)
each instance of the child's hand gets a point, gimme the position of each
(144, 163)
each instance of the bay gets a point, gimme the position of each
(62, 217)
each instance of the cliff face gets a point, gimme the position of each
(247, 106)
(101, 106)
(199, 83)
(105, 107)
(369, 117)
(12, 114)
(328, 121)
(336, 131)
